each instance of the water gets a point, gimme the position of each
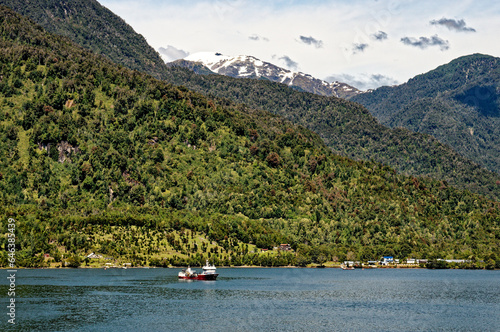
(255, 300)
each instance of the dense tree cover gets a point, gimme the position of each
(90, 147)
(458, 103)
(347, 128)
(94, 27)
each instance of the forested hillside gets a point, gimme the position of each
(94, 27)
(95, 157)
(346, 127)
(458, 103)
(349, 130)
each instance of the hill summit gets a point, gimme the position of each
(245, 66)
(458, 103)
(98, 158)
(346, 127)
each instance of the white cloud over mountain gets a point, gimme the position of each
(399, 39)
(171, 53)
(287, 62)
(363, 81)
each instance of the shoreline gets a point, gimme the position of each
(244, 267)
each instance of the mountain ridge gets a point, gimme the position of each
(349, 129)
(88, 23)
(247, 66)
(146, 162)
(458, 103)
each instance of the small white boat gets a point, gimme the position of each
(346, 267)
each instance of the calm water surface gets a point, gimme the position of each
(255, 300)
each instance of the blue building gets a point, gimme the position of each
(387, 260)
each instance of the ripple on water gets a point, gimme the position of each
(259, 299)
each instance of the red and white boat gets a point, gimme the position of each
(209, 273)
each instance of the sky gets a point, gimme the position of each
(365, 43)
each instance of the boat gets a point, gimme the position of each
(209, 273)
(346, 267)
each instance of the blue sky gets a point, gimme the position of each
(366, 43)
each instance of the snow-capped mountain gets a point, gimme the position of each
(245, 66)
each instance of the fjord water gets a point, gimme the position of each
(256, 299)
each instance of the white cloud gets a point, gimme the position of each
(171, 53)
(289, 63)
(455, 25)
(424, 42)
(258, 38)
(364, 81)
(380, 35)
(311, 41)
(332, 28)
(358, 48)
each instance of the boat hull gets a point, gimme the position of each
(200, 277)
(207, 274)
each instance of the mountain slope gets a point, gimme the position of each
(94, 27)
(95, 157)
(347, 128)
(458, 103)
(245, 66)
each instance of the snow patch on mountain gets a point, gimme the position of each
(246, 66)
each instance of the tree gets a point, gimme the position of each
(74, 261)
(273, 159)
(321, 259)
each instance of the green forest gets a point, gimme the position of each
(95, 157)
(94, 27)
(347, 128)
(458, 103)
